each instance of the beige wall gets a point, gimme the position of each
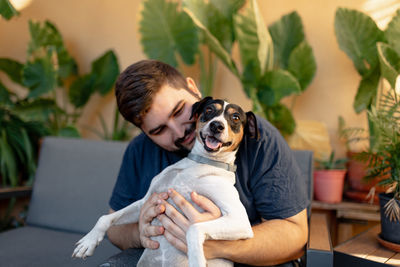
(90, 27)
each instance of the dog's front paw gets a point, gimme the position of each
(85, 247)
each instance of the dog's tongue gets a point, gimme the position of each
(213, 143)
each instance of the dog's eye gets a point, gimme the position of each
(208, 110)
(235, 118)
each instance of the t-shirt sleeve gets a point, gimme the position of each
(276, 183)
(123, 193)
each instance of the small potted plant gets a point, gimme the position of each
(384, 162)
(329, 179)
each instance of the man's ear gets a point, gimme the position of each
(192, 87)
(198, 107)
(251, 128)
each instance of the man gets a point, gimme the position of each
(158, 99)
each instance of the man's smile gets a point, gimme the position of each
(188, 138)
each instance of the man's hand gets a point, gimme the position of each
(150, 210)
(176, 224)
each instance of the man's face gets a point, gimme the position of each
(167, 123)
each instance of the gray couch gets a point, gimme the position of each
(73, 184)
(72, 187)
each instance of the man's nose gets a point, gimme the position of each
(216, 127)
(177, 129)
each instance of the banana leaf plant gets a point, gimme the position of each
(375, 55)
(275, 62)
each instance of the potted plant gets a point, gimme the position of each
(360, 38)
(329, 179)
(275, 61)
(384, 162)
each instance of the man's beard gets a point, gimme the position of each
(178, 142)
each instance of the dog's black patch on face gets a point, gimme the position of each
(212, 110)
(235, 117)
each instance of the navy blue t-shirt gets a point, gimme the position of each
(267, 178)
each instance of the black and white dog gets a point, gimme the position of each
(209, 171)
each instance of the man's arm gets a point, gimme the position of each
(274, 241)
(137, 235)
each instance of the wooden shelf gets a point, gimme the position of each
(21, 191)
(350, 210)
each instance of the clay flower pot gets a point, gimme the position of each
(328, 185)
(356, 171)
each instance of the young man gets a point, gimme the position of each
(157, 98)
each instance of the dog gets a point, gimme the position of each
(208, 170)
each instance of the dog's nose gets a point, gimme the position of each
(216, 127)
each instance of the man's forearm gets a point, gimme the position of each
(125, 236)
(274, 242)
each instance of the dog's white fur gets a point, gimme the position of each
(185, 177)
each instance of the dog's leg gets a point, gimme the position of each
(223, 228)
(85, 246)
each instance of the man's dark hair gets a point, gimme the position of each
(137, 85)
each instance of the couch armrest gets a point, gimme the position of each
(319, 246)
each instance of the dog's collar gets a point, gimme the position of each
(216, 163)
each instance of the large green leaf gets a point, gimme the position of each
(106, 71)
(81, 90)
(40, 109)
(40, 77)
(393, 32)
(214, 45)
(5, 97)
(250, 77)
(67, 65)
(286, 33)
(216, 22)
(69, 131)
(281, 117)
(43, 35)
(7, 10)
(228, 7)
(12, 68)
(367, 91)
(302, 64)
(357, 35)
(45, 38)
(8, 164)
(390, 63)
(166, 31)
(255, 43)
(275, 85)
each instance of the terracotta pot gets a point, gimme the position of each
(328, 185)
(356, 171)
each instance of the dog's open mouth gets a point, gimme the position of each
(213, 144)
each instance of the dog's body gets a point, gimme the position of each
(186, 176)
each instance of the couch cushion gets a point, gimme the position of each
(305, 162)
(35, 246)
(73, 183)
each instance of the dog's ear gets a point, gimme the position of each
(198, 106)
(251, 128)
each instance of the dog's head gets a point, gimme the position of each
(221, 125)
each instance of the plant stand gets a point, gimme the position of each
(13, 202)
(21, 191)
